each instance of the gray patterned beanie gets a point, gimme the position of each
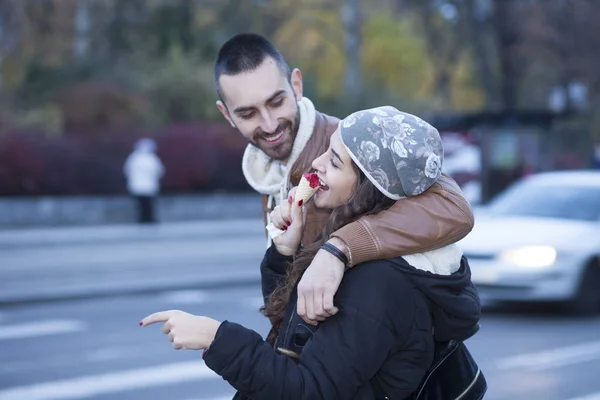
(399, 153)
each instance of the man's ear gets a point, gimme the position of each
(296, 80)
(223, 108)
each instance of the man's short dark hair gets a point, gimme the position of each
(244, 53)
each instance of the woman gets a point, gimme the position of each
(390, 311)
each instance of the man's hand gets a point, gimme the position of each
(319, 284)
(185, 331)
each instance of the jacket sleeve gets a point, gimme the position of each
(273, 270)
(436, 218)
(328, 368)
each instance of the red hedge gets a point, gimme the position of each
(197, 157)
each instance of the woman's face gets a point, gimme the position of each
(337, 173)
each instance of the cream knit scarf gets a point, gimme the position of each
(271, 177)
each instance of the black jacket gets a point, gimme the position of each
(382, 335)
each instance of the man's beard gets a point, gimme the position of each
(283, 150)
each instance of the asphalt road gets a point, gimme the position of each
(88, 345)
(65, 263)
(94, 349)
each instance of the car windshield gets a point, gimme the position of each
(532, 199)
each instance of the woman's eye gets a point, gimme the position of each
(333, 164)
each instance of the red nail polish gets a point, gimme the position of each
(288, 223)
(290, 199)
(141, 323)
(284, 228)
(300, 203)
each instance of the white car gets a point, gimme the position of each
(540, 241)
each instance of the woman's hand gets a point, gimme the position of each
(185, 331)
(290, 221)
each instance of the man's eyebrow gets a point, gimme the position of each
(337, 155)
(275, 95)
(250, 108)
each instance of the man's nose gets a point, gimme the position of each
(270, 123)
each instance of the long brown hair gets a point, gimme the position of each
(365, 200)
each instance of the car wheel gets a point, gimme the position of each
(587, 300)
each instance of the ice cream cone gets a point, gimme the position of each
(308, 186)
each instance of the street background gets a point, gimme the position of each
(70, 303)
(512, 85)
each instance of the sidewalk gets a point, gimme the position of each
(10, 238)
(81, 262)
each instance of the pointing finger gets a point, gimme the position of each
(161, 316)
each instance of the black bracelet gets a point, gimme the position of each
(328, 247)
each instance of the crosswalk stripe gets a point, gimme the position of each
(593, 396)
(217, 398)
(554, 357)
(100, 384)
(41, 328)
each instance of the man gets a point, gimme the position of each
(262, 98)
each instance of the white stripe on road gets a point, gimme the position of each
(593, 396)
(95, 385)
(554, 358)
(41, 328)
(217, 398)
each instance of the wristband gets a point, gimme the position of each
(337, 253)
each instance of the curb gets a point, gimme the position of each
(109, 290)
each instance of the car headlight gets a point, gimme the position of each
(529, 256)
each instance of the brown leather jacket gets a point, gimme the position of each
(436, 218)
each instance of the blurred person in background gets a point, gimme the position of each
(144, 170)
(262, 98)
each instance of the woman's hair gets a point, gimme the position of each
(366, 200)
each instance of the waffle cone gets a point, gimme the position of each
(303, 192)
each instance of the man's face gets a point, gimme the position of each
(263, 106)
